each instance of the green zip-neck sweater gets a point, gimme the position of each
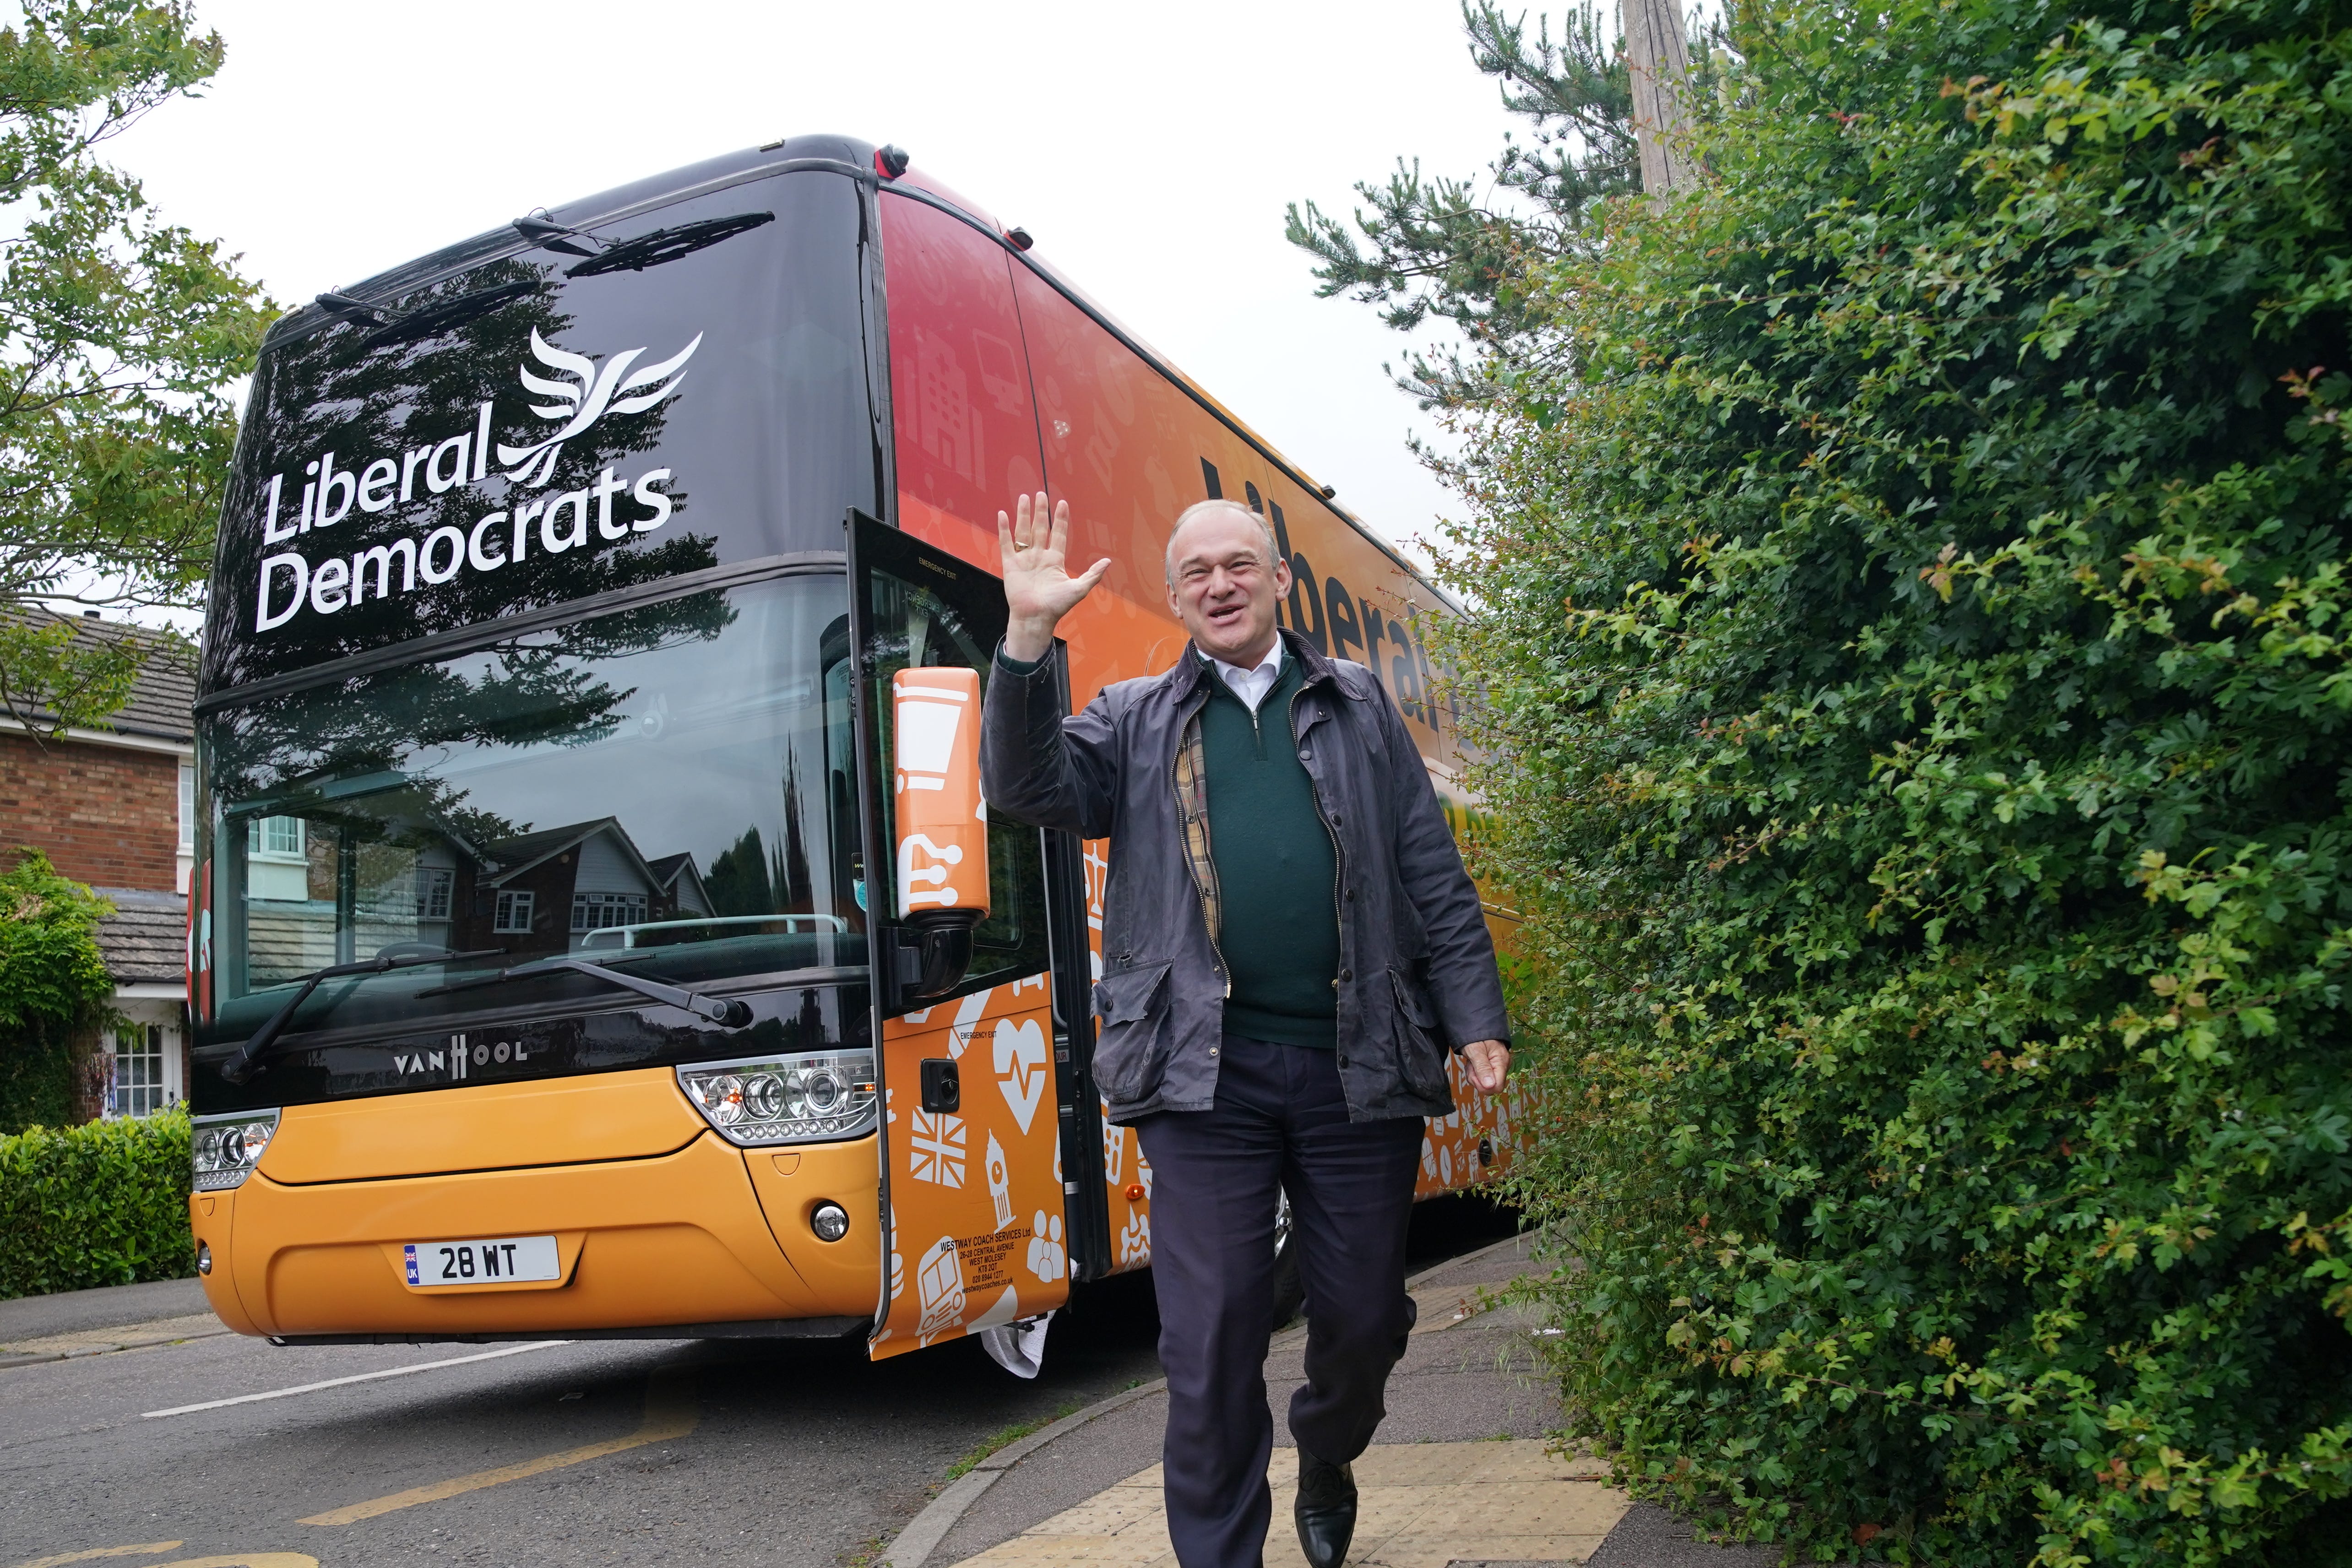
(1277, 872)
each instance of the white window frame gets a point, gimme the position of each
(186, 857)
(603, 911)
(510, 907)
(159, 1090)
(257, 836)
(435, 886)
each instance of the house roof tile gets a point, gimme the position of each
(144, 941)
(162, 699)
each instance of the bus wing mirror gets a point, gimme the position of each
(941, 854)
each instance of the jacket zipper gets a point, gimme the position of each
(1338, 855)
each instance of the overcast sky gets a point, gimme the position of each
(1150, 152)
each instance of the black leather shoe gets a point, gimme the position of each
(1325, 1511)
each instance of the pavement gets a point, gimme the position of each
(43, 1318)
(115, 1317)
(1461, 1475)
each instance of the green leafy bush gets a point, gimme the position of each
(1914, 645)
(54, 990)
(102, 1204)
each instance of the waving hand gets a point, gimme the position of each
(1038, 589)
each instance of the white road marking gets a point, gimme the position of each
(357, 1377)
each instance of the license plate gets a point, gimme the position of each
(500, 1260)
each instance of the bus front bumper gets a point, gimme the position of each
(702, 1238)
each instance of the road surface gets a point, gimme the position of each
(791, 1453)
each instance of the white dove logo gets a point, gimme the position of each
(585, 397)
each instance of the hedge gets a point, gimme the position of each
(101, 1203)
(54, 990)
(1916, 628)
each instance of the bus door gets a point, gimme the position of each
(976, 1234)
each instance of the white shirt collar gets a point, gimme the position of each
(1252, 684)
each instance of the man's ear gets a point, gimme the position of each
(1281, 579)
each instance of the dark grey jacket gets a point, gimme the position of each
(1417, 969)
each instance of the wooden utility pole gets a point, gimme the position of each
(1659, 59)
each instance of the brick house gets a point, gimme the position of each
(114, 808)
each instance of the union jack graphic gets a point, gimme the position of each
(938, 1149)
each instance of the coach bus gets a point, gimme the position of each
(564, 956)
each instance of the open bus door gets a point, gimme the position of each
(982, 1084)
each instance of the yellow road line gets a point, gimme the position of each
(670, 1413)
(147, 1550)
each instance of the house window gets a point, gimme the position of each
(279, 838)
(139, 1088)
(187, 808)
(432, 894)
(513, 912)
(599, 911)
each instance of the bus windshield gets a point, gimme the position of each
(668, 790)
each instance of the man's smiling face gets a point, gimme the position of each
(1223, 583)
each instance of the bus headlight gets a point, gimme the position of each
(225, 1149)
(801, 1099)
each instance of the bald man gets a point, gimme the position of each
(1290, 947)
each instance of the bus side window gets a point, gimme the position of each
(1016, 895)
(966, 434)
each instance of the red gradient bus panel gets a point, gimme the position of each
(1129, 445)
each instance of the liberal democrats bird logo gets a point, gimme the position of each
(585, 396)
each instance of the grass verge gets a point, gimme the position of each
(1012, 1434)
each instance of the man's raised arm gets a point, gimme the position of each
(1035, 766)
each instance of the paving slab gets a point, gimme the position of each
(97, 1341)
(1462, 1474)
(109, 1306)
(1421, 1505)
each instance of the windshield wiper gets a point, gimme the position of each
(665, 244)
(549, 234)
(426, 320)
(351, 308)
(247, 1060)
(725, 1012)
(404, 326)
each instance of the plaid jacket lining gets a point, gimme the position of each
(1193, 805)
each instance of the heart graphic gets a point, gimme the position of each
(1020, 1067)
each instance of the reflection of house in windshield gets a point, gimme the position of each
(586, 885)
(553, 890)
(675, 876)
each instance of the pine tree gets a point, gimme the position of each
(1434, 247)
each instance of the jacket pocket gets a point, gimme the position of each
(1421, 1048)
(1131, 1051)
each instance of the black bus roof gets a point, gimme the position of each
(847, 153)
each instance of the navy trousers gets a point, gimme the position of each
(1279, 1124)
